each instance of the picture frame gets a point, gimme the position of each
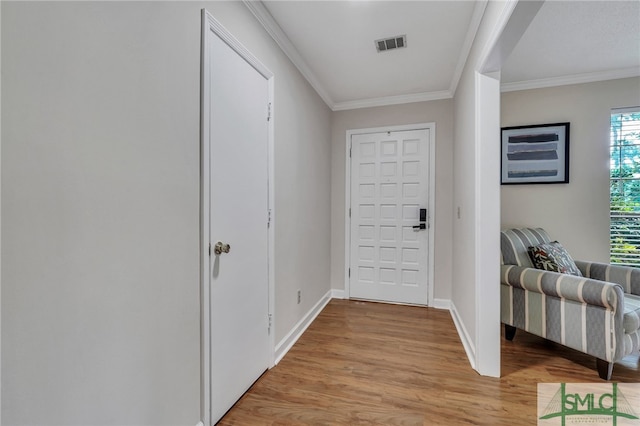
(535, 154)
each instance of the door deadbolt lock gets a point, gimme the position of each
(220, 248)
(423, 220)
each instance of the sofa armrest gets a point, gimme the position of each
(579, 289)
(626, 276)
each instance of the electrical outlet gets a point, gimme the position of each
(299, 296)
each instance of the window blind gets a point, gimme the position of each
(625, 186)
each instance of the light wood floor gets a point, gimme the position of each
(376, 364)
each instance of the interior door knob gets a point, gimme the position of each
(221, 247)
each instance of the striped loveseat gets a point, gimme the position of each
(598, 313)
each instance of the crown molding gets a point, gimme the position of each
(393, 100)
(273, 29)
(263, 16)
(571, 79)
(234, 44)
(474, 24)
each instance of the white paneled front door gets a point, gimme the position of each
(389, 188)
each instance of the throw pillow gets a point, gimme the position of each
(553, 257)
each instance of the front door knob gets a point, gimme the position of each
(221, 247)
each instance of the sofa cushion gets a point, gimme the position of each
(631, 318)
(553, 257)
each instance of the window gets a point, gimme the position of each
(625, 186)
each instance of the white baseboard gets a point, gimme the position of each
(437, 303)
(292, 337)
(337, 294)
(200, 424)
(441, 304)
(467, 343)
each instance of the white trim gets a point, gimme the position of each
(467, 342)
(267, 21)
(441, 304)
(476, 19)
(487, 225)
(271, 233)
(337, 294)
(431, 208)
(294, 334)
(234, 44)
(392, 100)
(571, 79)
(205, 294)
(200, 424)
(209, 23)
(347, 216)
(625, 110)
(431, 215)
(273, 29)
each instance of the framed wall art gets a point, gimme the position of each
(535, 154)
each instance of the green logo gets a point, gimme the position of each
(610, 403)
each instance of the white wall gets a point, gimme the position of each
(100, 207)
(470, 179)
(440, 112)
(577, 213)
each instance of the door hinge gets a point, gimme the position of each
(349, 211)
(270, 319)
(209, 249)
(349, 152)
(268, 218)
(349, 272)
(269, 111)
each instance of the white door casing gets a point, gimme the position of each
(237, 148)
(389, 179)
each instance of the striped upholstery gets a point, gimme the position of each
(591, 314)
(515, 242)
(631, 318)
(628, 278)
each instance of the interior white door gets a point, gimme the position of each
(389, 187)
(239, 99)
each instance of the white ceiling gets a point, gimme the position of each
(576, 41)
(332, 43)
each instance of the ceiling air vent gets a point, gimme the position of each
(391, 43)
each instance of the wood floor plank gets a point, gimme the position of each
(363, 363)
